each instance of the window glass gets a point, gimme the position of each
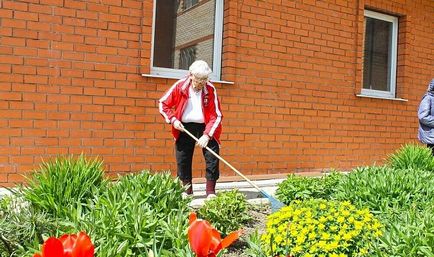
(376, 71)
(189, 3)
(187, 57)
(181, 27)
(380, 48)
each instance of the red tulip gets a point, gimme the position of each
(51, 248)
(205, 241)
(68, 246)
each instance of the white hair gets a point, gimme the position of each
(200, 69)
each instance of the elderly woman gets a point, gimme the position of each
(192, 104)
(426, 117)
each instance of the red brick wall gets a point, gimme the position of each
(70, 82)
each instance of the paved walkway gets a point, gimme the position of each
(252, 194)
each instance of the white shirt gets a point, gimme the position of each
(193, 111)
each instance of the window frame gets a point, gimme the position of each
(217, 55)
(393, 58)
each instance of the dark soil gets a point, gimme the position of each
(259, 215)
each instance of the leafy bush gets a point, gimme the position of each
(302, 188)
(319, 227)
(139, 213)
(403, 200)
(63, 185)
(412, 156)
(382, 188)
(408, 233)
(21, 227)
(227, 212)
(5, 201)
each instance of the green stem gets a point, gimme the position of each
(6, 244)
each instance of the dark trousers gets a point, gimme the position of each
(184, 153)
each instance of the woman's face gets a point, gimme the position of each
(198, 83)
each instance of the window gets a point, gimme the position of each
(176, 30)
(380, 50)
(186, 57)
(189, 3)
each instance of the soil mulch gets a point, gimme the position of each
(259, 215)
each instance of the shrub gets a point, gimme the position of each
(63, 185)
(382, 188)
(409, 233)
(403, 200)
(21, 227)
(227, 212)
(412, 156)
(302, 188)
(319, 227)
(140, 212)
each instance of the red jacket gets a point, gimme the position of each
(177, 96)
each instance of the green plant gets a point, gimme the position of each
(408, 233)
(139, 213)
(302, 188)
(412, 156)
(383, 188)
(319, 227)
(254, 248)
(227, 212)
(5, 201)
(403, 200)
(64, 185)
(21, 227)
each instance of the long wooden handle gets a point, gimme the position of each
(227, 163)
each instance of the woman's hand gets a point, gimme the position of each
(178, 125)
(203, 141)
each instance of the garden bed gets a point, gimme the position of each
(259, 215)
(387, 210)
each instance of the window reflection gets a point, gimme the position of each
(377, 54)
(184, 32)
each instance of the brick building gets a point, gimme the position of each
(305, 85)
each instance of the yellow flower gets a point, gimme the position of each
(278, 238)
(296, 249)
(312, 236)
(325, 236)
(345, 213)
(363, 251)
(300, 239)
(322, 244)
(347, 236)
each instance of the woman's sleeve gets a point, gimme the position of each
(424, 112)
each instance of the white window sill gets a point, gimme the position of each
(173, 77)
(382, 97)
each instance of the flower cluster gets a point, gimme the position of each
(321, 228)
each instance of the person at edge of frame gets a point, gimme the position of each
(426, 117)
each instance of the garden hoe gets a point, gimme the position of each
(275, 204)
